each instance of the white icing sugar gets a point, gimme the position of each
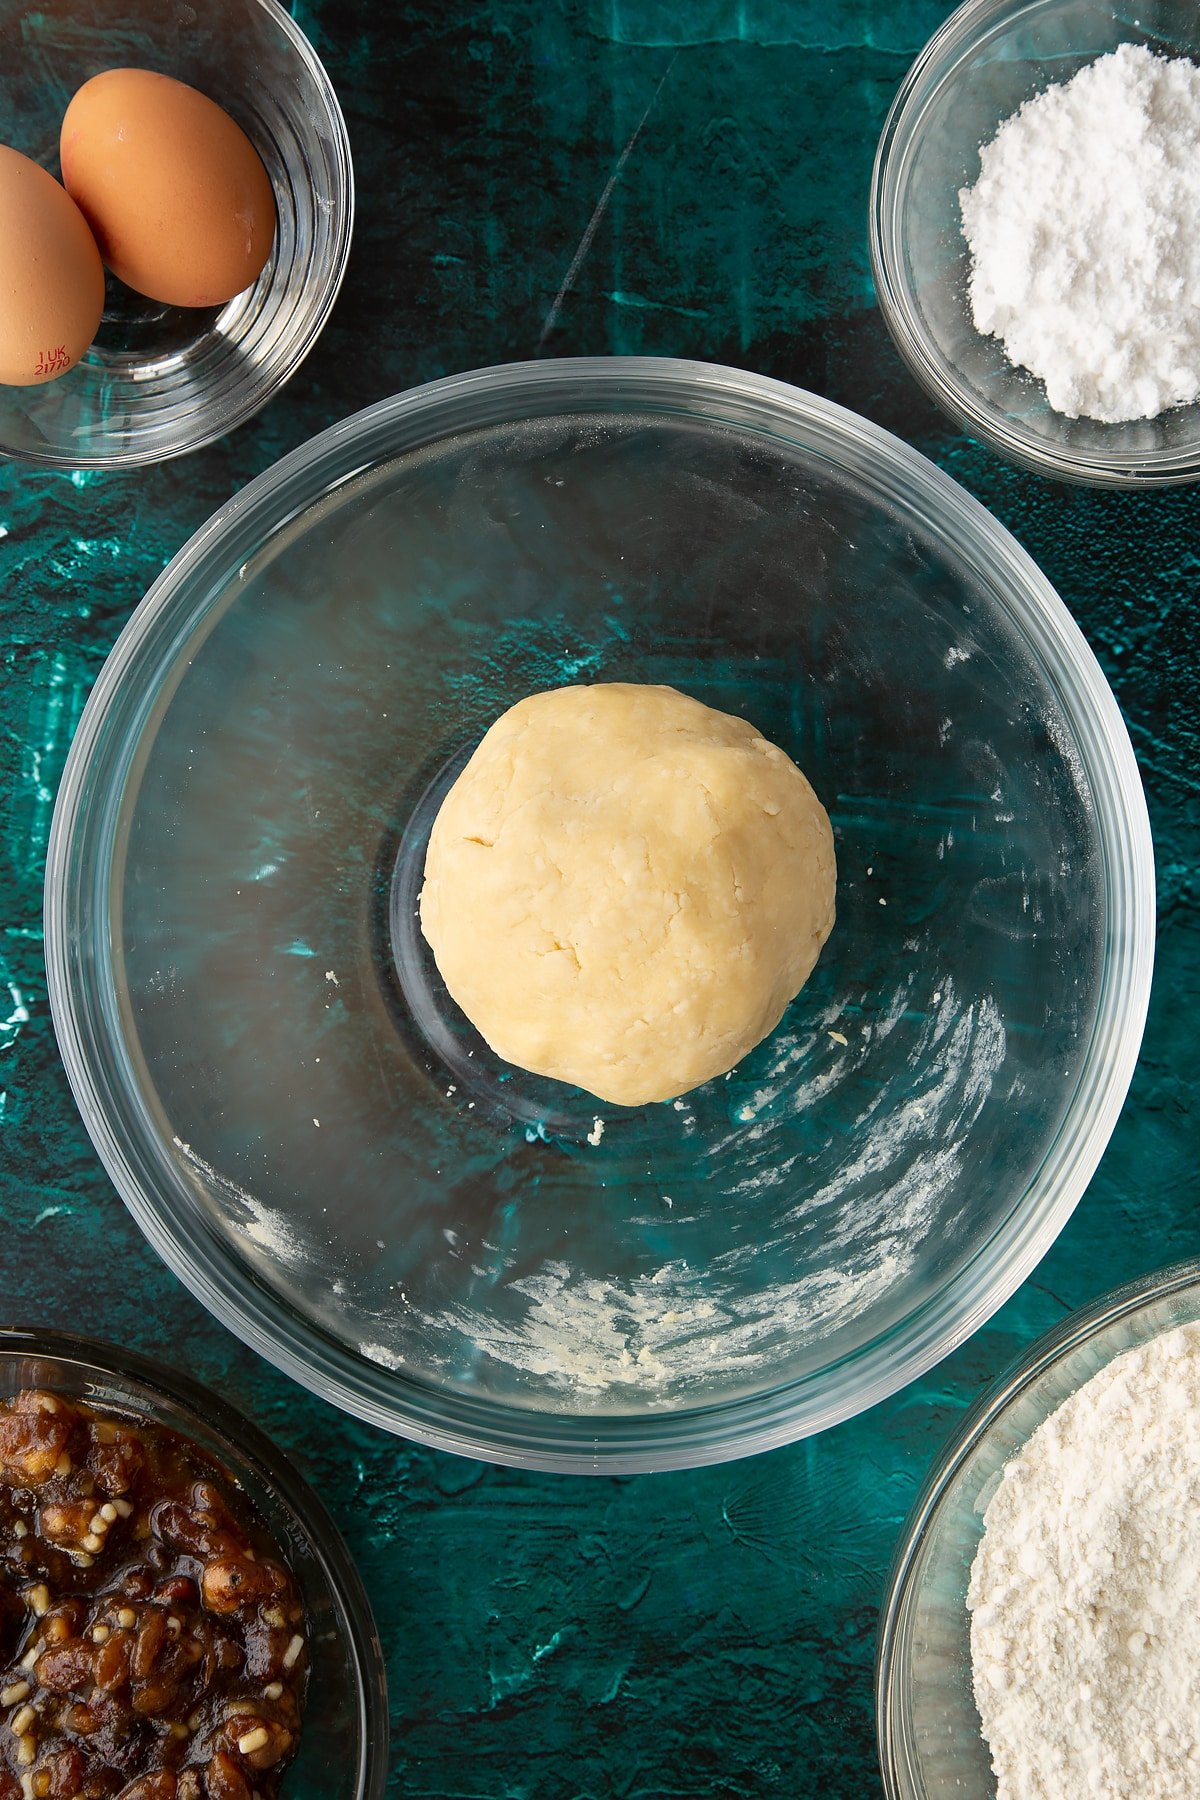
(1084, 233)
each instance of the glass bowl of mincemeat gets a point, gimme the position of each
(931, 1736)
(986, 62)
(310, 1130)
(179, 1616)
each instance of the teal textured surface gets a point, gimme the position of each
(681, 177)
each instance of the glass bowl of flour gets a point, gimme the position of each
(314, 1136)
(1051, 312)
(1040, 1630)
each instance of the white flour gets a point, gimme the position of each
(1085, 1591)
(1084, 232)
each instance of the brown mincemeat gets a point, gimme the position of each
(152, 1639)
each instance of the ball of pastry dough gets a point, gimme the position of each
(624, 888)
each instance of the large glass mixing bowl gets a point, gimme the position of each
(311, 1134)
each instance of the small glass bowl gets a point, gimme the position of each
(343, 1750)
(931, 1745)
(162, 380)
(988, 59)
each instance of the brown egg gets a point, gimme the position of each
(174, 191)
(51, 278)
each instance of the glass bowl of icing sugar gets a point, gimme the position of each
(1039, 1629)
(1064, 332)
(315, 1138)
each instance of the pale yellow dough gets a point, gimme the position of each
(624, 888)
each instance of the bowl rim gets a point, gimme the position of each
(630, 1443)
(1015, 1378)
(958, 36)
(282, 1477)
(208, 424)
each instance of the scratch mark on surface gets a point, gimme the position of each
(50, 1212)
(504, 1684)
(598, 212)
(10, 1028)
(613, 1689)
(635, 1596)
(758, 26)
(639, 303)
